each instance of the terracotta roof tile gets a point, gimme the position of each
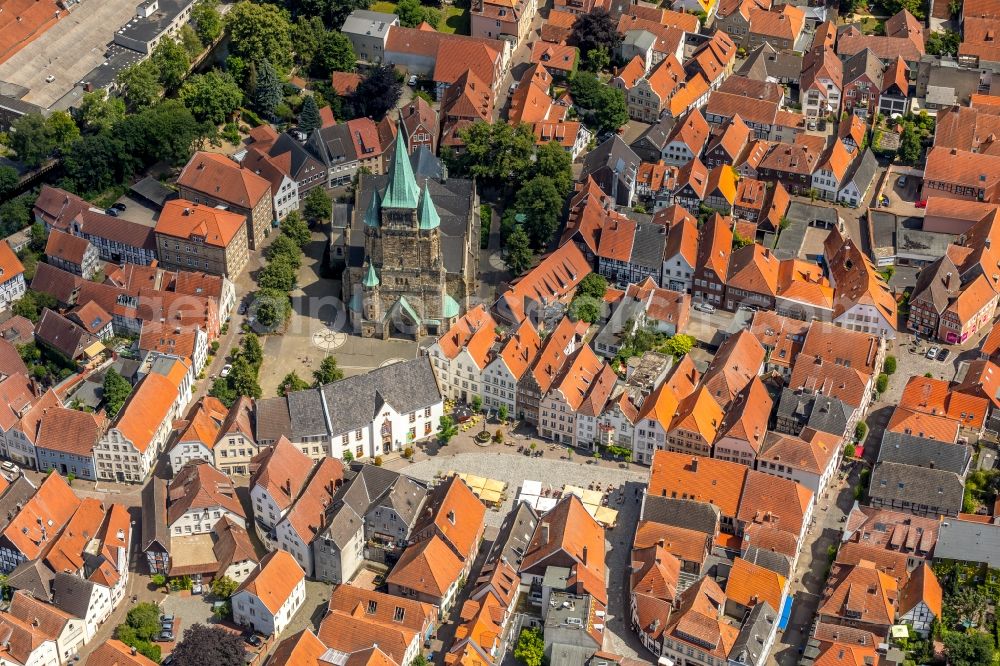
(301, 649)
(910, 422)
(147, 407)
(454, 513)
(278, 469)
(922, 586)
(274, 579)
(781, 22)
(704, 479)
(750, 584)
(429, 567)
(42, 516)
(219, 177)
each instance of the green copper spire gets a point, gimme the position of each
(371, 215)
(428, 215)
(371, 279)
(403, 191)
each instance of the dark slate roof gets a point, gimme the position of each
(861, 63)
(63, 335)
(34, 578)
(514, 536)
(303, 164)
(748, 650)
(71, 594)
(452, 198)
(426, 165)
(769, 559)
(154, 514)
(365, 487)
(17, 494)
(864, 170)
(820, 412)
(305, 413)
(273, 420)
(405, 497)
(931, 287)
(153, 191)
(899, 447)
(657, 134)
(689, 514)
(766, 62)
(344, 525)
(969, 542)
(895, 482)
(609, 154)
(353, 402)
(648, 246)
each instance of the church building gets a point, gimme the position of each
(413, 249)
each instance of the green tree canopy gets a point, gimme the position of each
(267, 88)
(585, 308)
(189, 39)
(377, 94)
(213, 96)
(140, 85)
(334, 53)
(207, 20)
(286, 249)
(224, 587)
(497, 152)
(291, 383)
(116, 391)
(243, 379)
(144, 619)
(594, 285)
(446, 429)
(519, 255)
(971, 649)
(943, 43)
(604, 107)
(307, 34)
(252, 350)
(172, 62)
(679, 345)
(272, 307)
(309, 118)
(530, 648)
(541, 204)
(260, 32)
(99, 111)
(9, 179)
(279, 274)
(595, 30)
(209, 646)
(295, 228)
(553, 162)
(327, 372)
(411, 14)
(317, 206)
(32, 139)
(31, 304)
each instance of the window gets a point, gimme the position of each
(372, 606)
(399, 614)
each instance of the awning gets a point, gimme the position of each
(491, 496)
(94, 349)
(494, 485)
(786, 614)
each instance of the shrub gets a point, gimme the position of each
(378, 461)
(882, 383)
(860, 431)
(890, 365)
(408, 452)
(850, 450)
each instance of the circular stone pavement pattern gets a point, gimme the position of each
(329, 340)
(391, 361)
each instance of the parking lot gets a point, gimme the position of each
(67, 51)
(903, 198)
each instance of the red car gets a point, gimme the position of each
(921, 204)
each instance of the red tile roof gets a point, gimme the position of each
(219, 177)
(274, 580)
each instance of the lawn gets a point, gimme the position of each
(454, 19)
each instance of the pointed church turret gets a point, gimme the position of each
(371, 214)
(370, 280)
(403, 191)
(428, 215)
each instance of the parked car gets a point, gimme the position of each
(196, 588)
(50, 78)
(113, 212)
(704, 307)
(8, 466)
(932, 353)
(412, 82)
(943, 354)
(901, 181)
(252, 639)
(166, 636)
(226, 369)
(167, 620)
(119, 206)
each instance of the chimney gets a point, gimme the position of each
(694, 464)
(584, 556)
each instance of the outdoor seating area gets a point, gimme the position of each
(596, 499)
(492, 492)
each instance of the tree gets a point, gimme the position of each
(541, 204)
(140, 85)
(9, 179)
(553, 162)
(377, 93)
(915, 7)
(268, 89)
(273, 307)
(502, 412)
(284, 249)
(144, 619)
(519, 256)
(327, 373)
(31, 139)
(476, 404)
(889, 366)
(252, 350)
(224, 587)
(317, 206)
(594, 31)
(740, 241)
(943, 43)
(260, 32)
(334, 53)
(295, 228)
(597, 59)
(172, 62)
(309, 118)
(209, 646)
(30, 305)
(850, 450)
(446, 429)
(882, 382)
(970, 649)
(99, 112)
(307, 34)
(585, 308)
(207, 20)
(214, 96)
(116, 391)
(223, 391)
(410, 13)
(62, 129)
(679, 345)
(909, 145)
(243, 379)
(291, 383)
(497, 152)
(613, 110)
(594, 285)
(420, 660)
(279, 274)
(604, 106)
(530, 648)
(191, 42)
(860, 431)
